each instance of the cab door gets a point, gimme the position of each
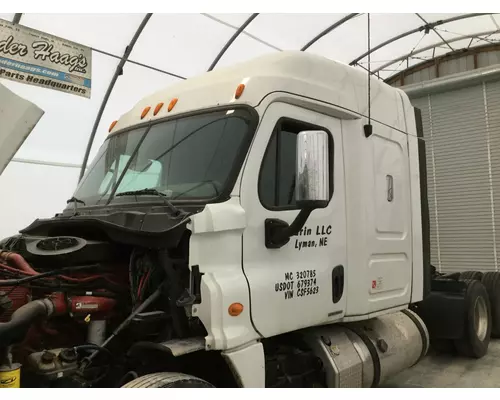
(302, 283)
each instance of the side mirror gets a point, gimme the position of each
(312, 178)
(312, 187)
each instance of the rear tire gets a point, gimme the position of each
(477, 328)
(477, 275)
(491, 281)
(168, 380)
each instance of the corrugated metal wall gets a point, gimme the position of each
(462, 132)
(470, 61)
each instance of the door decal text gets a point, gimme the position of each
(315, 237)
(298, 284)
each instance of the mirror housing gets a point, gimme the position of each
(312, 178)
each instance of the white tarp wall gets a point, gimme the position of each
(18, 117)
(173, 46)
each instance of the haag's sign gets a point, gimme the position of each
(36, 58)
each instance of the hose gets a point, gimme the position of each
(11, 282)
(25, 268)
(156, 294)
(19, 261)
(21, 320)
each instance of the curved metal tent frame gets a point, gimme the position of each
(242, 29)
(428, 25)
(331, 28)
(140, 29)
(425, 27)
(231, 40)
(433, 46)
(118, 72)
(17, 18)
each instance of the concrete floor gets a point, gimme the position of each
(445, 371)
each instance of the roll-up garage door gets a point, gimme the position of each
(462, 132)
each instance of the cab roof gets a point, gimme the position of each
(293, 72)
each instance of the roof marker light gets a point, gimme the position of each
(239, 90)
(158, 108)
(145, 112)
(172, 104)
(112, 126)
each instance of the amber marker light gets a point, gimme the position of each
(158, 108)
(145, 112)
(172, 104)
(239, 90)
(112, 126)
(235, 309)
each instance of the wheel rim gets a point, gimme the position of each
(480, 318)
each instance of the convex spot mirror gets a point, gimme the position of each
(312, 189)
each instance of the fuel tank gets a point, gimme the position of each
(367, 353)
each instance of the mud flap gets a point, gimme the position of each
(443, 310)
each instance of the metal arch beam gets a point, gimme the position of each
(17, 18)
(328, 30)
(224, 23)
(118, 72)
(107, 53)
(435, 31)
(46, 163)
(231, 40)
(475, 35)
(419, 29)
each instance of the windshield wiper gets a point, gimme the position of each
(150, 191)
(127, 165)
(74, 200)
(153, 192)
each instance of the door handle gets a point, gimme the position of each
(337, 283)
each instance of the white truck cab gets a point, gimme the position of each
(304, 223)
(367, 231)
(357, 253)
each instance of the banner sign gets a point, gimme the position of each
(36, 58)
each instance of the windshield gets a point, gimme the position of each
(189, 158)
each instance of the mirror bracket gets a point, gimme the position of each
(278, 232)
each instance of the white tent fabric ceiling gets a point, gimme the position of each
(177, 46)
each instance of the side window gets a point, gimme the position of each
(277, 174)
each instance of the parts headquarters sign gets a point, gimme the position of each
(36, 58)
